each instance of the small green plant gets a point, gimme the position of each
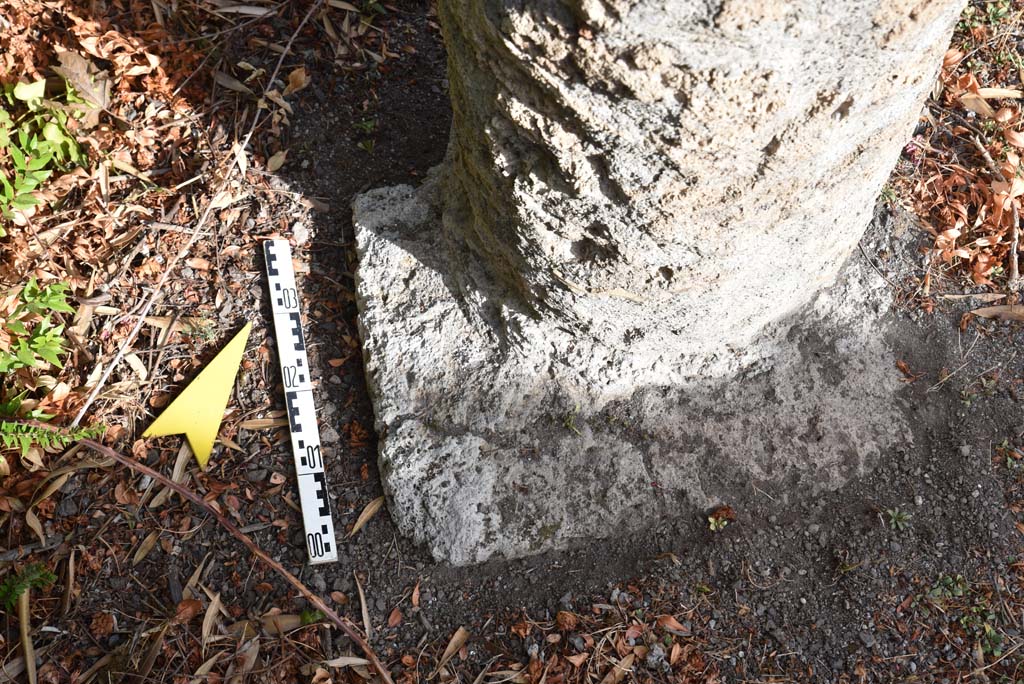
(367, 126)
(15, 435)
(29, 338)
(717, 524)
(32, 576)
(570, 421)
(888, 195)
(366, 145)
(309, 617)
(992, 14)
(898, 520)
(34, 143)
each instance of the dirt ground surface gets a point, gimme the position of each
(913, 573)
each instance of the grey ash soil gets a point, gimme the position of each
(813, 588)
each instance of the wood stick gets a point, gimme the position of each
(341, 623)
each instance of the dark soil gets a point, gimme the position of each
(820, 589)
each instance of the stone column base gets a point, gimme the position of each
(502, 434)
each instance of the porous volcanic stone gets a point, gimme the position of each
(617, 299)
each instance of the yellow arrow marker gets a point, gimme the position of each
(199, 409)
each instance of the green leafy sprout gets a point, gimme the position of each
(34, 143)
(29, 337)
(716, 524)
(32, 576)
(898, 520)
(17, 435)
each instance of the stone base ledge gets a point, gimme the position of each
(504, 435)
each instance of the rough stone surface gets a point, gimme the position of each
(676, 174)
(606, 307)
(497, 447)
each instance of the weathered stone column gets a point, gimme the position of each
(620, 297)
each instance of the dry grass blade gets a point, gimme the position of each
(244, 662)
(69, 585)
(210, 620)
(368, 513)
(155, 649)
(262, 423)
(1000, 93)
(24, 629)
(981, 296)
(1003, 312)
(455, 644)
(347, 661)
(177, 475)
(200, 676)
(367, 626)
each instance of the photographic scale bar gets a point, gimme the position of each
(298, 394)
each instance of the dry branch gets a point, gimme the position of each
(317, 602)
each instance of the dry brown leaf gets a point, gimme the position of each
(952, 57)
(456, 643)
(187, 609)
(90, 83)
(1000, 93)
(566, 621)
(976, 103)
(1015, 138)
(210, 620)
(137, 365)
(231, 83)
(368, 512)
(1004, 114)
(33, 522)
(1003, 312)
(578, 659)
(277, 161)
(145, 547)
(205, 668)
(395, 618)
(670, 623)
(416, 595)
(32, 459)
(619, 670)
(297, 80)
(275, 625)
(243, 663)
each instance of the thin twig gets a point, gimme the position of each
(340, 622)
(196, 232)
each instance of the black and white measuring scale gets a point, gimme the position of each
(298, 394)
